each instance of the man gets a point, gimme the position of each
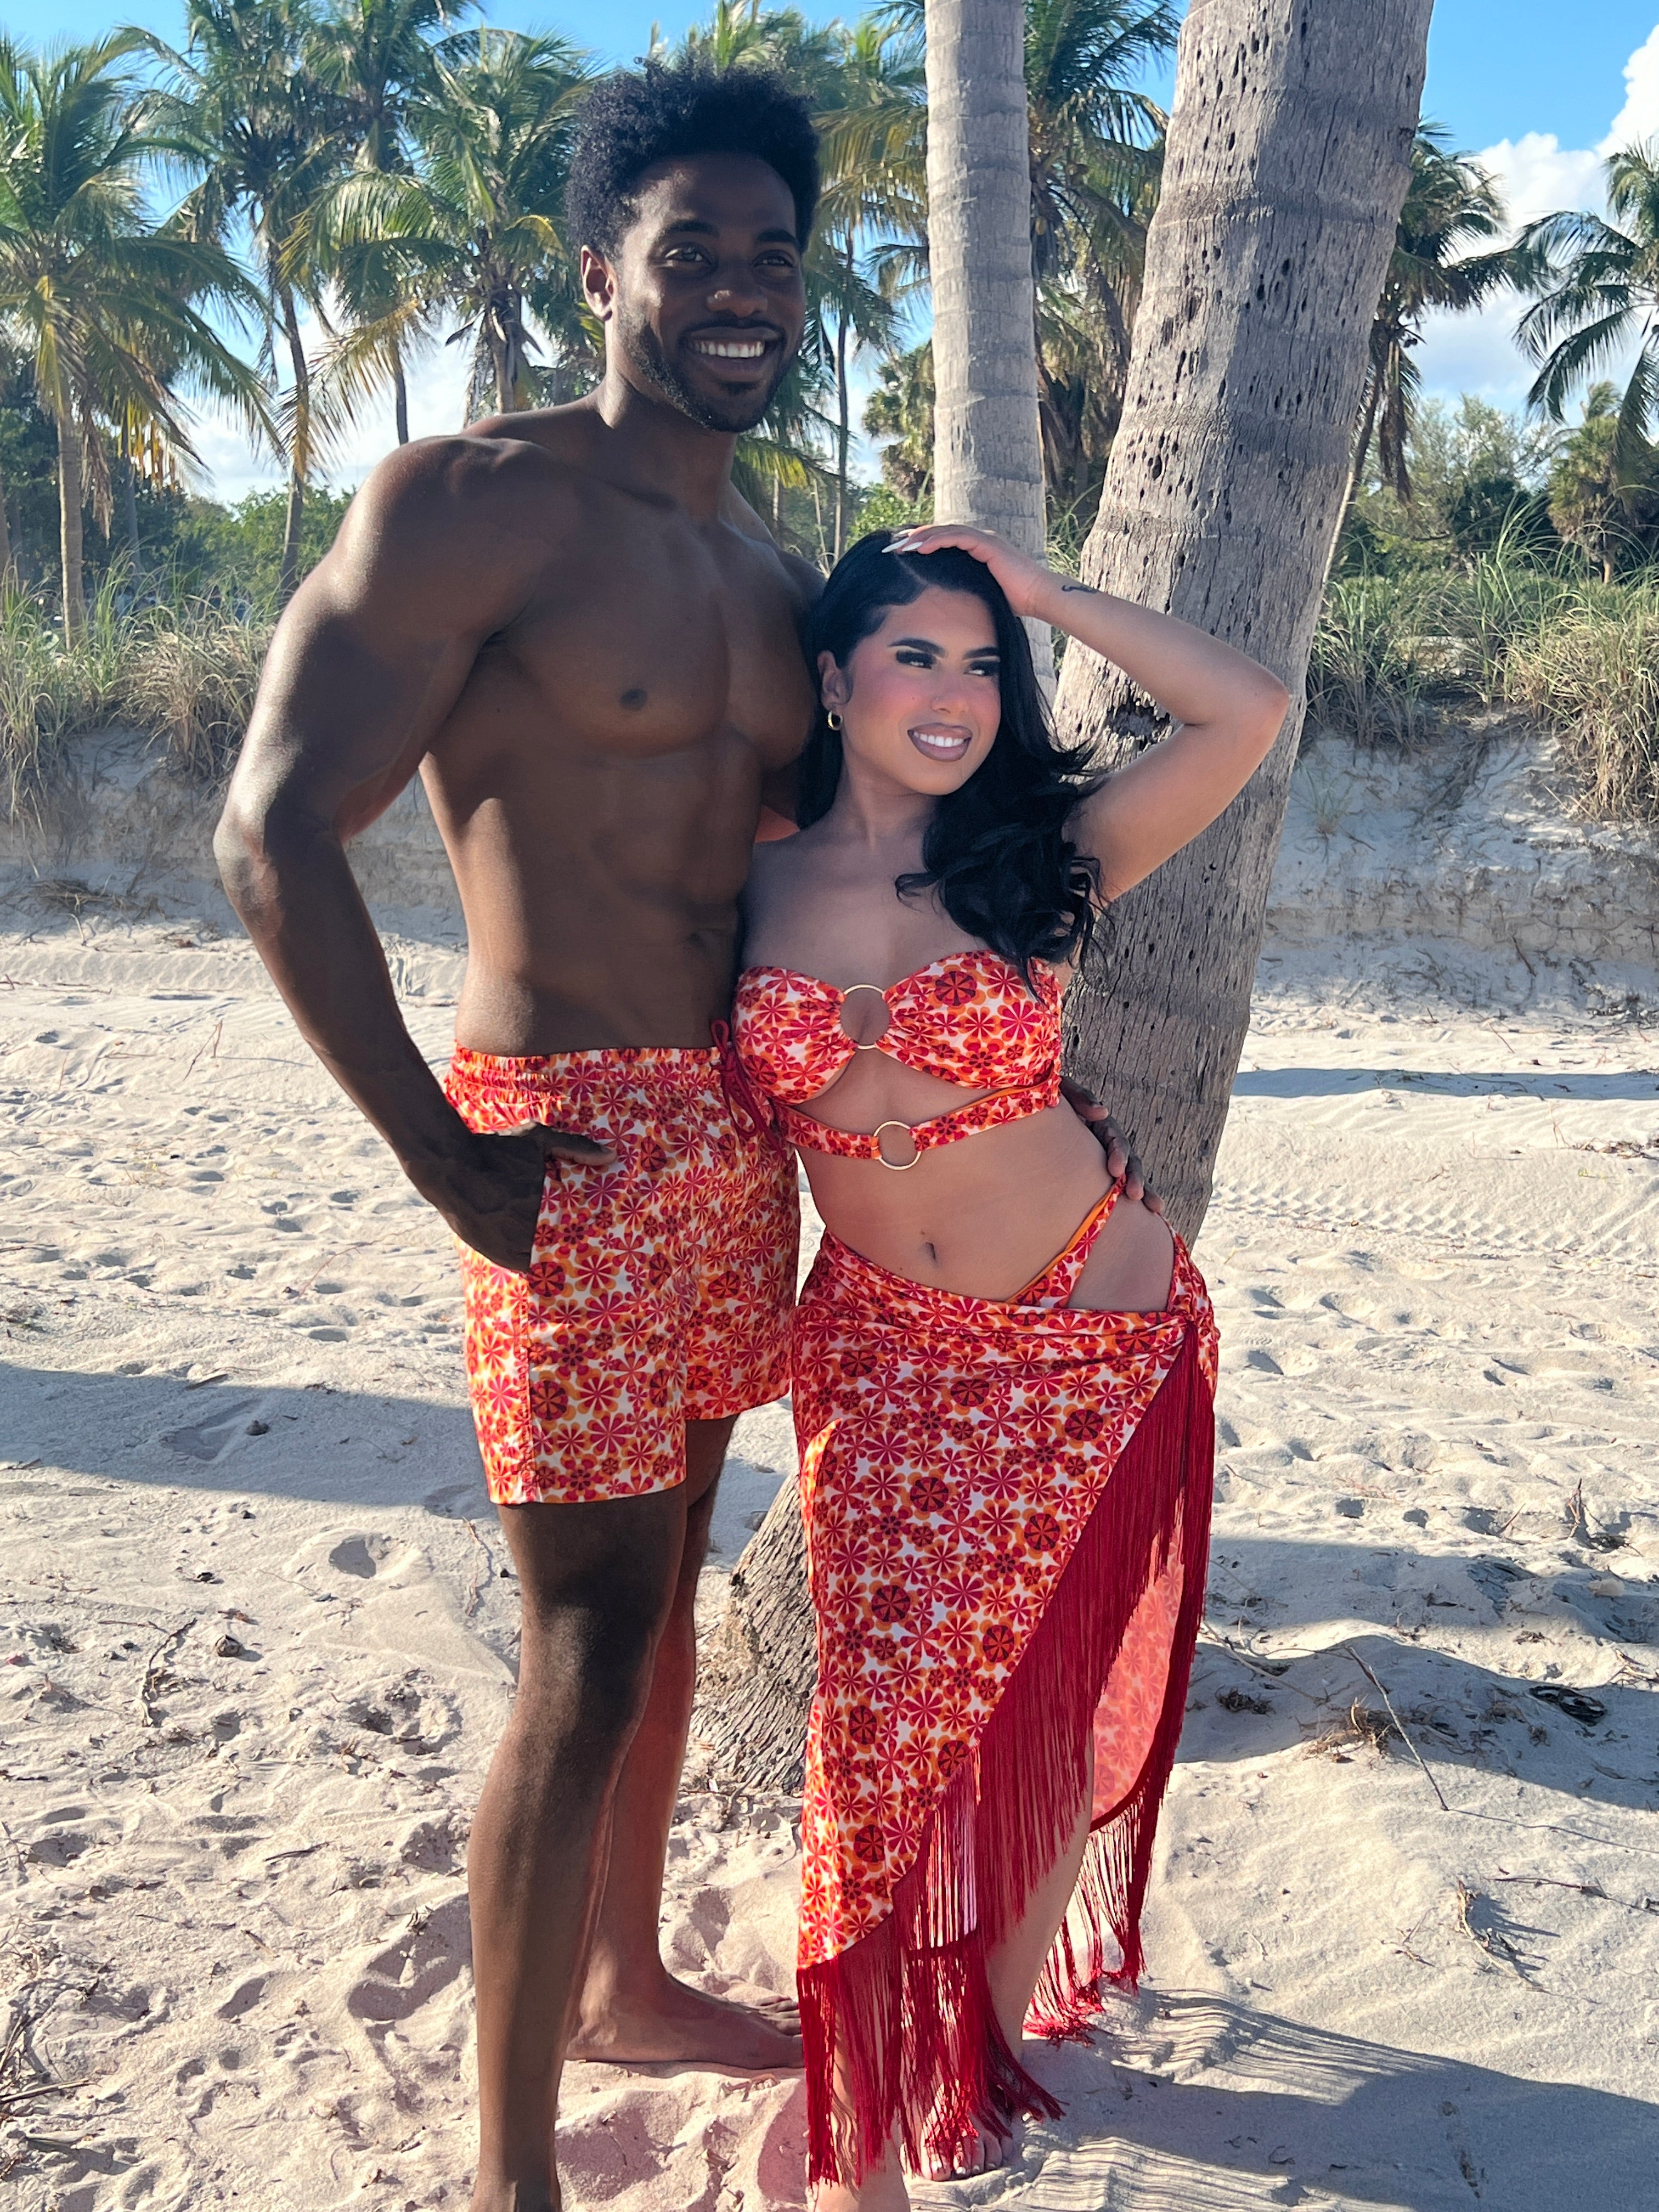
(569, 623)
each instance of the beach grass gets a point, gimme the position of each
(182, 669)
(1397, 659)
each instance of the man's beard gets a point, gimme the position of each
(740, 412)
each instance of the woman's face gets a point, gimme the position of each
(921, 697)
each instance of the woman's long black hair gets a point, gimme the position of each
(996, 850)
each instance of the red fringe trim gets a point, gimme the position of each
(905, 2012)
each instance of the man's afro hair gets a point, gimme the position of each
(664, 110)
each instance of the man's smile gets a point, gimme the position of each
(733, 345)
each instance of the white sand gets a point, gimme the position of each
(232, 1908)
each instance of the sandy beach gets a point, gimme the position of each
(257, 1628)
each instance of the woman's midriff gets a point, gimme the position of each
(986, 1215)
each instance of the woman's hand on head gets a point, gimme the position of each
(1027, 584)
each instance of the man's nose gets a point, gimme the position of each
(736, 292)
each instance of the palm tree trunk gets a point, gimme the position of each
(500, 355)
(300, 459)
(1264, 266)
(400, 398)
(987, 443)
(130, 505)
(844, 428)
(71, 493)
(1361, 447)
(7, 579)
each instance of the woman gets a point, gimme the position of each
(1002, 1378)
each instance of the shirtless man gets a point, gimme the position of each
(571, 626)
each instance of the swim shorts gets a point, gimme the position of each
(660, 1290)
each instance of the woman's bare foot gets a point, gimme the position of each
(675, 2024)
(985, 2150)
(882, 2190)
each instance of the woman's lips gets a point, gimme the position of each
(941, 745)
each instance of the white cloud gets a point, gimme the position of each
(1536, 175)
(1638, 118)
(233, 466)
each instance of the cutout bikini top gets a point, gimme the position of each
(968, 1019)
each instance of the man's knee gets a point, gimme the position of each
(596, 1582)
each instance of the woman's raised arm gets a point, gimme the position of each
(1227, 708)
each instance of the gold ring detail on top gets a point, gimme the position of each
(898, 1167)
(875, 1045)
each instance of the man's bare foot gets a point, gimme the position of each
(677, 2024)
(514, 2197)
(883, 2190)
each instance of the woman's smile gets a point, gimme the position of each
(942, 741)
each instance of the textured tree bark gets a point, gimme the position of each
(1288, 158)
(987, 438)
(755, 1683)
(71, 493)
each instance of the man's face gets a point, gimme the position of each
(704, 299)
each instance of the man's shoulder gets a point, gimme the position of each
(487, 465)
(477, 502)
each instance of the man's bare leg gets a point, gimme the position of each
(597, 1583)
(633, 2010)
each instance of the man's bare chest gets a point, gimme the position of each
(649, 646)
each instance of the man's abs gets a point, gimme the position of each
(601, 903)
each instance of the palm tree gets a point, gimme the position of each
(1096, 145)
(246, 114)
(478, 223)
(1450, 201)
(376, 57)
(1600, 286)
(1095, 160)
(106, 308)
(872, 218)
(1270, 249)
(900, 411)
(987, 444)
(1598, 500)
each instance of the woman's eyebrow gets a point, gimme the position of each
(926, 644)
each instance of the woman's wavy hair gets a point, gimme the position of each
(996, 850)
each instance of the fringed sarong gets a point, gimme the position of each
(1008, 1511)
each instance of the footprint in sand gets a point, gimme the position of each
(207, 1439)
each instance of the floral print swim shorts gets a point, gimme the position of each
(660, 1290)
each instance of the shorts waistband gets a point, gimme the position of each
(482, 1069)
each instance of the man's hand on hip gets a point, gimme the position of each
(1119, 1160)
(490, 1192)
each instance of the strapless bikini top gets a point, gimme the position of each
(968, 1019)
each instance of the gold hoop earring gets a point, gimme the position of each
(832, 715)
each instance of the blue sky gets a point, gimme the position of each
(1542, 92)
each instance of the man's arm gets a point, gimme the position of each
(437, 554)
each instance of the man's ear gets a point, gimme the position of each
(598, 284)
